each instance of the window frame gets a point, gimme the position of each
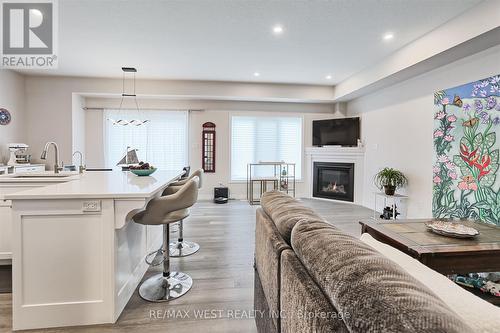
(146, 110)
(298, 178)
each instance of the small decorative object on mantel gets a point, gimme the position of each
(5, 116)
(208, 149)
(451, 229)
(390, 179)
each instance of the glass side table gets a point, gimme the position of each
(394, 202)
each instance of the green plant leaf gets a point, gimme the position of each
(498, 201)
(438, 96)
(491, 195)
(493, 169)
(464, 169)
(478, 140)
(457, 160)
(494, 156)
(491, 220)
(490, 139)
(483, 205)
(464, 141)
(487, 180)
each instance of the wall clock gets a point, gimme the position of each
(5, 117)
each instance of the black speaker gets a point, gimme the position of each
(221, 195)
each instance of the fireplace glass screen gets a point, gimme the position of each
(334, 181)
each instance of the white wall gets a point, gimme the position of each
(54, 109)
(78, 121)
(397, 125)
(12, 98)
(219, 113)
(50, 100)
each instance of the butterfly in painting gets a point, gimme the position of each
(471, 122)
(457, 101)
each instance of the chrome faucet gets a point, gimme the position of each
(82, 166)
(57, 168)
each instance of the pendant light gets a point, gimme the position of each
(123, 122)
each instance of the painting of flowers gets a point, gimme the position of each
(465, 182)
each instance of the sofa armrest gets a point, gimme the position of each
(268, 247)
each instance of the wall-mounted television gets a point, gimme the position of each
(336, 132)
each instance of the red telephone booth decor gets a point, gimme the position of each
(208, 152)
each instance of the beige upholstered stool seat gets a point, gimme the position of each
(172, 217)
(164, 211)
(198, 173)
(181, 247)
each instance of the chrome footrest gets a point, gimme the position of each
(155, 258)
(183, 249)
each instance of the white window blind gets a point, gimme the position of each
(266, 139)
(163, 141)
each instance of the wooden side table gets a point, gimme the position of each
(443, 254)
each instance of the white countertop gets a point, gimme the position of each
(99, 184)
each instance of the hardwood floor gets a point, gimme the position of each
(221, 299)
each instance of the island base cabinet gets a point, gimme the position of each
(73, 267)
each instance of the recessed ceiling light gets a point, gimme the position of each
(328, 77)
(278, 29)
(256, 74)
(388, 36)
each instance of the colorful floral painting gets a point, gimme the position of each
(466, 162)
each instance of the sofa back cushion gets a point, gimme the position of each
(285, 212)
(372, 292)
(304, 307)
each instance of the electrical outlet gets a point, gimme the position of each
(92, 206)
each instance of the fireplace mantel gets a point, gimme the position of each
(335, 151)
(354, 155)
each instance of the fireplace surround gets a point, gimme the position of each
(351, 155)
(333, 181)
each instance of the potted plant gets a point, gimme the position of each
(390, 179)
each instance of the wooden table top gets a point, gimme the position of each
(414, 235)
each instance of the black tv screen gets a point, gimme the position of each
(336, 132)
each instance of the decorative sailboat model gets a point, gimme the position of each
(129, 159)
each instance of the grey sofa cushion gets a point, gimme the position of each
(263, 316)
(304, 307)
(285, 212)
(268, 247)
(377, 294)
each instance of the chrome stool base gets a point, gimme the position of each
(183, 249)
(163, 289)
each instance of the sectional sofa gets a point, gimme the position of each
(312, 277)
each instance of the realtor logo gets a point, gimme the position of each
(29, 34)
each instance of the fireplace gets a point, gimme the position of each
(333, 181)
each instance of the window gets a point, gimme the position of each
(163, 141)
(266, 139)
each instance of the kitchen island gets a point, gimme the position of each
(77, 256)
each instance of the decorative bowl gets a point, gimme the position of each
(143, 172)
(451, 229)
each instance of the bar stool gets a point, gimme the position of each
(183, 248)
(165, 210)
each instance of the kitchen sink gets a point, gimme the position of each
(42, 175)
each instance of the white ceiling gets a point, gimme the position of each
(230, 40)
